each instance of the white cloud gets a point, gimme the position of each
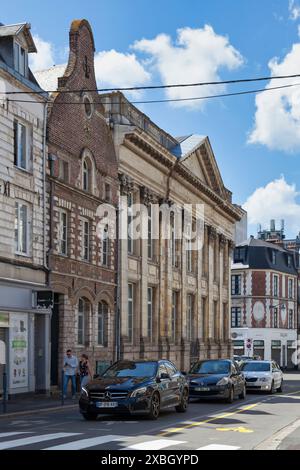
(44, 58)
(115, 69)
(198, 55)
(277, 200)
(294, 10)
(277, 117)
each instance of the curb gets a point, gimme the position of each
(37, 411)
(273, 442)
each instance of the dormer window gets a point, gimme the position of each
(20, 59)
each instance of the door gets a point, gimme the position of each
(164, 386)
(40, 352)
(54, 340)
(3, 368)
(175, 394)
(276, 353)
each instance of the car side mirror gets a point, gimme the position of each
(164, 376)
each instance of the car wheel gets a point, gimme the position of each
(182, 407)
(154, 406)
(230, 396)
(242, 395)
(90, 416)
(279, 389)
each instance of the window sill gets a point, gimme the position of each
(23, 170)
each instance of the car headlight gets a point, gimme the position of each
(84, 392)
(223, 381)
(138, 391)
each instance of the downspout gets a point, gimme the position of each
(44, 188)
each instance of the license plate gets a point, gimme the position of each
(106, 404)
(202, 389)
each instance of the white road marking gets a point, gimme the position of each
(85, 443)
(7, 434)
(33, 439)
(218, 447)
(155, 445)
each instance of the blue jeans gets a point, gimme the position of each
(66, 381)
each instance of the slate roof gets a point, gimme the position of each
(187, 144)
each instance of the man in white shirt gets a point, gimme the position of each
(70, 369)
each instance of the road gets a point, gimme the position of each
(245, 424)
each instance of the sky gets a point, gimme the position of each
(255, 137)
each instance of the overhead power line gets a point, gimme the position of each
(246, 92)
(158, 87)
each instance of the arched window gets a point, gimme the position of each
(82, 321)
(87, 175)
(105, 246)
(102, 327)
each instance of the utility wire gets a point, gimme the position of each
(158, 87)
(261, 90)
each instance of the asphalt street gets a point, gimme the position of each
(245, 424)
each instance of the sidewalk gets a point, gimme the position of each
(292, 441)
(35, 403)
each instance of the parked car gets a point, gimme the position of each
(135, 387)
(216, 378)
(263, 375)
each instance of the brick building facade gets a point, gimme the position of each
(82, 176)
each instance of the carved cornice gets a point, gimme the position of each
(212, 233)
(222, 239)
(231, 244)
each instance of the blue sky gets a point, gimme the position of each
(239, 41)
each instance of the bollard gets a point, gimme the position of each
(4, 391)
(62, 387)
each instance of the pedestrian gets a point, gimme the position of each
(85, 370)
(70, 370)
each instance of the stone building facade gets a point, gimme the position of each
(82, 176)
(264, 312)
(174, 302)
(24, 329)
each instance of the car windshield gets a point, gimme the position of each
(256, 366)
(131, 369)
(211, 367)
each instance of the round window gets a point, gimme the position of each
(87, 106)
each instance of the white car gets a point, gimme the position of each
(262, 375)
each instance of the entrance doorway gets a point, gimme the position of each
(55, 340)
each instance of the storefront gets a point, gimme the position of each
(24, 330)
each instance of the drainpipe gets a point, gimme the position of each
(44, 183)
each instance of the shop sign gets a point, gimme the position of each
(18, 350)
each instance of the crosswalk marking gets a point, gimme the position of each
(85, 443)
(218, 447)
(155, 445)
(33, 439)
(7, 434)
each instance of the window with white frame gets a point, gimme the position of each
(87, 175)
(189, 316)
(21, 145)
(130, 223)
(291, 288)
(150, 239)
(274, 257)
(63, 233)
(82, 320)
(275, 285)
(189, 252)
(275, 318)
(130, 311)
(22, 228)
(174, 315)
(149, 312)
(102, 324)
(105, 246)
(236, 317)
(63, 171)
(20, 59)
(173, 239)
(236, 284)
(291, 319)
(85, 240)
